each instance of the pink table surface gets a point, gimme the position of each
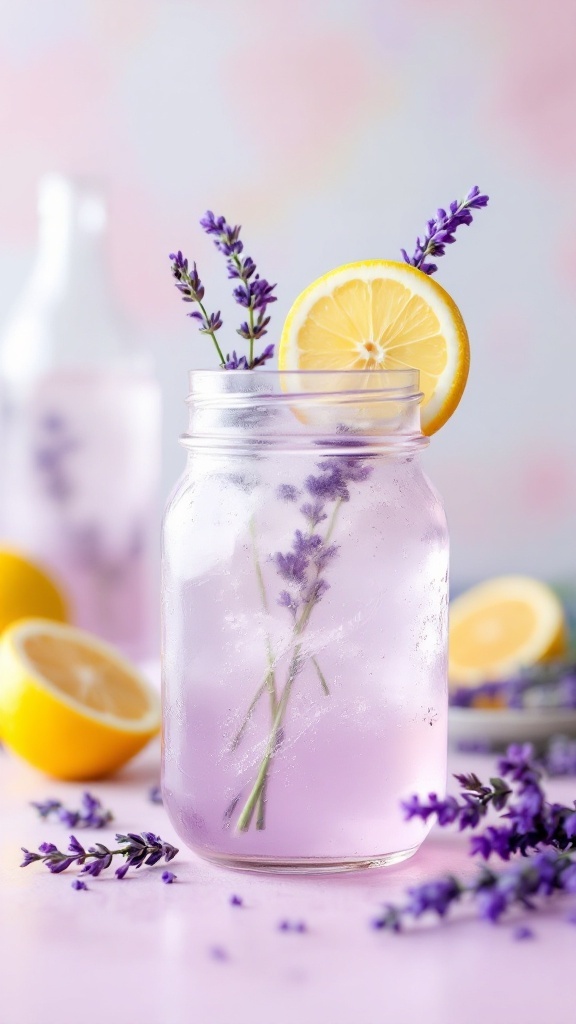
(139, 951)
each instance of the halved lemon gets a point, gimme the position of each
(382, 315)
(502, 626)
(69, 703)
(26, 590)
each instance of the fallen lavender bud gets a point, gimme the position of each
(145, 848)
(168, 877)
(79, 884)
(155, 795)
(299, 927)
(90, 815)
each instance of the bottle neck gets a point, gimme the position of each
(70, 257)
(65, 318)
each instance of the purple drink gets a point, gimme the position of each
(305, 607)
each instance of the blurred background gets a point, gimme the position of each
(331, 129)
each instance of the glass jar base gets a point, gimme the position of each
(306, 865)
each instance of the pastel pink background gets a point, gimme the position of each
(332, 129)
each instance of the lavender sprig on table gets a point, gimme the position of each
(532, 824)
(531, 821)
(491, 892)
(440, 231)
(137, 850)
(90, 815)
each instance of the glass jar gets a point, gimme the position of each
(305, 580)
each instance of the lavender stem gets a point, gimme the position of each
(211, 334)
(247, 812)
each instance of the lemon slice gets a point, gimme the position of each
(69, 704)
(501, 626)
(26, 590)
(382, 315)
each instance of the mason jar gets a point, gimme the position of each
(305, 595)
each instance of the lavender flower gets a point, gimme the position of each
(90, 815)
(530, 822)
(191, 288)
(492, 893)
(236, 901)
(168, 877)
(302, 569)
(137, 850)
(560, 757)
(79, 884)
(253, 292)
(155, 795)
(440, 231)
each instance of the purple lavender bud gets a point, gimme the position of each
(79, 884)
(75, 847)
(569, 878)
(287, 492)
(491, 904)
(219, 953)
(47, 848)
(56, 866)
(522, 932)
(29, 857)
(314, 513)
(236, 901)
(268, 352)
(436, 896)
(441, 231)
(155, 795)
(168, 877)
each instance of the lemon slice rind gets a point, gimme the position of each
(438, 405)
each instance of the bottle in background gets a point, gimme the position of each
(80, 429)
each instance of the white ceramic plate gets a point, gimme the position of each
(509, 725)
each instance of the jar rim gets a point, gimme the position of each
(379, 384)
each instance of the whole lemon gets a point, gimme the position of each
(26, 590)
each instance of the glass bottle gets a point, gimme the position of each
(80, 428)
(305, 593)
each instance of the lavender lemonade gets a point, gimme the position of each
(305, 568)
(311, 691)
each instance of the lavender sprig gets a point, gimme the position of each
(189, 284)
(90, 815)
(440, 231)
(531, 821)
(137, 850)
(301, 569)
(492, 893)
(253, 292)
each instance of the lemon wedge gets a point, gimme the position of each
(382, 315)
(26, 590)
(70, 704)
(502, 626)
